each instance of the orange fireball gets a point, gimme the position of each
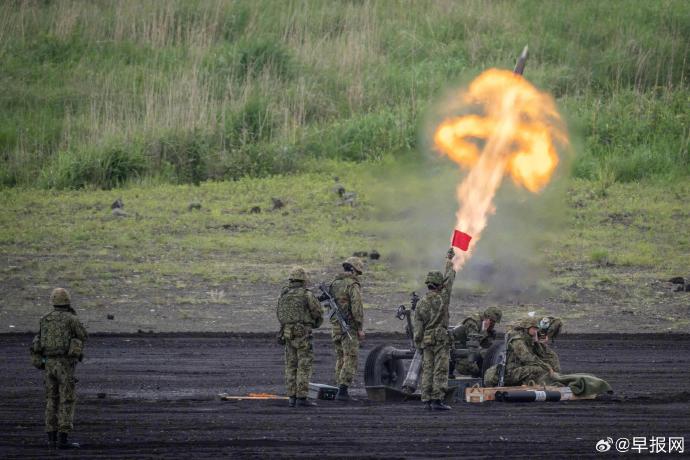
(513, 129)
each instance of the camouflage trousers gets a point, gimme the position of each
(522, 375)
(299, 359)
(60, 394)
(435, 371)
(346, 355)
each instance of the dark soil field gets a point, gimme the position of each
(161, 401)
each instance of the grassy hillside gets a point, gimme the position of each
(97, 93)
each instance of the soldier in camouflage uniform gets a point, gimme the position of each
(347, 293)
(481, 327)
(56, 348)
(298, 312)
(525, 358)
(432, 337)
(549, 328)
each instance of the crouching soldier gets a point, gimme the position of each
(431, 335)
(298, 312)
(527, 359)
(56, 348)
(481, 329)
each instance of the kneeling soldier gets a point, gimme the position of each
(56, 348)
(298, 312)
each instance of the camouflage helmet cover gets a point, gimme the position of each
(356, 263)
(434, 277)
(297, 274)
(526, 323)
(59, 297)
(493, 313)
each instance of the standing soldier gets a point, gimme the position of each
(298, 312)
(56, 348)
(347, 293)
(431, 335)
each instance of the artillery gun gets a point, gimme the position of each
(386, 365)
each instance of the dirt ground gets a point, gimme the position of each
(161, 401)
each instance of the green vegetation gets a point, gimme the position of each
(99, 93)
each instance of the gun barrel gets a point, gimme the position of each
(522, 60)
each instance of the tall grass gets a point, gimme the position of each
(213, 89)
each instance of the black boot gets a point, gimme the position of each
(304, 402)
(342, 393)
(65, 444)
(291, 401)
(427, 405)
(437, 404)
(52, 439)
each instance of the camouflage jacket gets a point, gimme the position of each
(57, 329)
(522, 351)
(432, 311)
(347, 293)
(473, 325)
(298, 305)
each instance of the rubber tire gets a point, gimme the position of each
(382, 371)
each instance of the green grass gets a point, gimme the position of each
(97, 93)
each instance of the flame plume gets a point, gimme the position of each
(514, 130)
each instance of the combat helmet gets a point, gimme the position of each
(434, 277)
(298, 274)
(493, 313)
(526, 323)
(355, 263)
(60, 297)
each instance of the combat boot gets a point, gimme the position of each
(342, 393)
(52, 439)
(65, 444)
(437, 404)
(291, 401)
(304, 402)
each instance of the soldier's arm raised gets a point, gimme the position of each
(448, 277)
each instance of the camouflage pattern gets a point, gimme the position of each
(546, 353)
(60, 342)
(434, 277)
(347, 293)
(356, 263)
(298, 274)
(60, 394)
(346, 357)
(493, 313)
(435, 370)
(299, 359)
(59, 297)
(431, 335)
(298, 305)
(298, 311)
(523, 362)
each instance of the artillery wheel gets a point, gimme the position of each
(493, 355)
(381, 369)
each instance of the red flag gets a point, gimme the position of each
(461, 240)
